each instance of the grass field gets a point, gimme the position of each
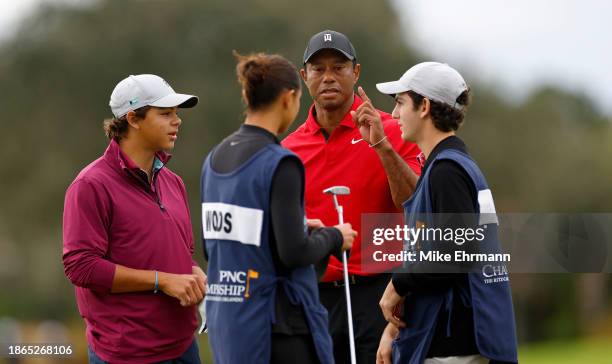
(592, 351)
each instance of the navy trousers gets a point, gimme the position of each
(190, 356)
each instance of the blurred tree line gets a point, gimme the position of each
(547, 154)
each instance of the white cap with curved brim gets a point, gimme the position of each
(137, 91)
(436, 81)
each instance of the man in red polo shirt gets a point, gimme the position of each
(128, 242)
(333, 152)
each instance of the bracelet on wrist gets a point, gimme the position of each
(378, 142)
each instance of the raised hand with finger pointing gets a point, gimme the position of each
(368, 120)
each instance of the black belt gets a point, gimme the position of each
(353, 280)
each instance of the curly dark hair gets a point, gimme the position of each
(116, 128)
(445, 117)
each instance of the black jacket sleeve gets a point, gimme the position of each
(294, 246)
(452, 191)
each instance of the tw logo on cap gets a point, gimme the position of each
(327, 37)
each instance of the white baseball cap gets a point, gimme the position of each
(137, 91)
(436, 81)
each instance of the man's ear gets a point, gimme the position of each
(357, 71)
(132, 119)
(303, 74)
(425, 107)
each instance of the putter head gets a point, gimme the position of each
(337, 190)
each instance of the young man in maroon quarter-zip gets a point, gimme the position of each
(127, 234)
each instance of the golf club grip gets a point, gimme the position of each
(340, 210)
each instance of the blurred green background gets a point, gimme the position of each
(547, 154)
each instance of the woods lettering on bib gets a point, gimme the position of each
(232, 222)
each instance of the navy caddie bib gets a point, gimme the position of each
(242, 279)
(487, 291)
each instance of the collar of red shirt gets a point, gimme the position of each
(313, 127)
(120, 161)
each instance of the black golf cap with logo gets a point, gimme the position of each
(329, 39)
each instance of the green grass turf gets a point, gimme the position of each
(592, 351)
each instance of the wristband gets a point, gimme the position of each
(156, 283)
